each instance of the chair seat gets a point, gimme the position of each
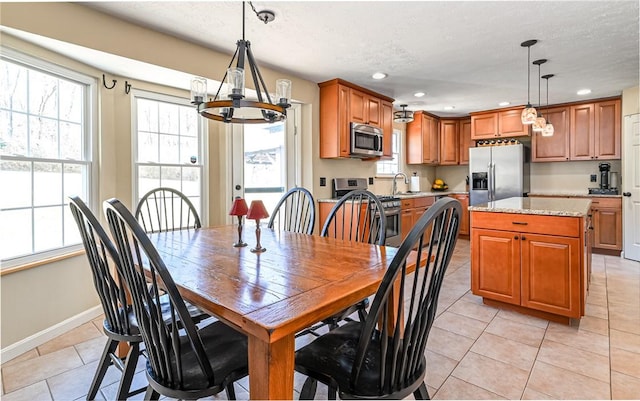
(330, 358)
(227, 352)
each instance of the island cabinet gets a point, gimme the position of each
(595, 130)
(410, 211)
(504, 123)
(533, 263)
(423, 139)
(343, 103)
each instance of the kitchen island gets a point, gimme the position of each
(532, 255)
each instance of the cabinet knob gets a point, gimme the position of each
(626, 194)
(523, 238)
(515, 237)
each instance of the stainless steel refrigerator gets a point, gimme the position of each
(498, 172)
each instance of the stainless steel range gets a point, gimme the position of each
(390, 204)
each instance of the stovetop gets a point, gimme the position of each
(603, 191)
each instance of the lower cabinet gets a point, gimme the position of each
(464, 221)
(607, 223)
(410, 211)
(528, 265)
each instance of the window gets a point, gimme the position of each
(45, 156)
(390, 167)
(168, 145)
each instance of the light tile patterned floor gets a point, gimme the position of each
(474, 351)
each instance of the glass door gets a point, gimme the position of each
(266, 159)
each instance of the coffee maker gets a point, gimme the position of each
(604, 175)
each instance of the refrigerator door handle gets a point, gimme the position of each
(489, 183)
(493, 181)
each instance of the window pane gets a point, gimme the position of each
(16, 182)
(188, 121)
(191, 181)
(147, 115)
(43, 94)
(47, 228)
(70, 101)
(71, 232)
(171, 177)
(75, 177)
(47, 184)
(147, 147)
(169, 149)
(189, 150)
(13, 87)
(15, 233)
(169, 121)
(13, 134)
(148, 179)
(43, 137)
(71, 141)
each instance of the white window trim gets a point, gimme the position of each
(91, 145)
(204, 146)
(390, 175)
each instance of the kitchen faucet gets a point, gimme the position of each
(395, 186)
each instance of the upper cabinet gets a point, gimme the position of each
(584, 131)
(423, 137)
(342, 103)
(465, 141)
(504, 123)
(449, 142)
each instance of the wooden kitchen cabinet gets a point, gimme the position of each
(342, 103)
(534, 262)
(465, 141)
(449, 142)
(595, 131)
(464, 219)
(607, 223)
(504, 123)
(422, 139)
(553, 148)
(410, 211)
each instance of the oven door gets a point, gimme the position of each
(392, 217)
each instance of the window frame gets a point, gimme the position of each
(202, 140)
(91, 151)
(398, 135)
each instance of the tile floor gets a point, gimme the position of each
(474, 351)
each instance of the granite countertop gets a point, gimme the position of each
(406, 195)
(575, 194)
(540, 206)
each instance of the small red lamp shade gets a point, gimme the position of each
(239, 207)
(257, 211)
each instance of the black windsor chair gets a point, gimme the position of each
(383, 356)
(187, 363)
(166, 209)
(295, 211)
(119, 324)
(355, 217)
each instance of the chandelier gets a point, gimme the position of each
(548, 129)
(230, 105)
(529, 114)
(403, 116)
(540, 122)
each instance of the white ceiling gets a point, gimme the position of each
(462, 54)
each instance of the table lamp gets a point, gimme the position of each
(239, 209)
(256, 212)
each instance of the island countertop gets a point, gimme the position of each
(540, 206)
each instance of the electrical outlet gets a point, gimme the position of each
(370, 180)
(594, 178)
(323, 181)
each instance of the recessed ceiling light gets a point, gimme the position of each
(449, 107)
(419, 94)
(379, 75)
(504, 104)
(584, 91)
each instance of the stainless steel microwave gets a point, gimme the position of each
(366, 140)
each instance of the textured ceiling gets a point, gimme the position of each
(462, 54)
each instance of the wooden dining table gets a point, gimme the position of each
(298, 281)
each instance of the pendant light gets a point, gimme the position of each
(540, 122)
(548, 129)
(230, 105)
(403, 116)
(529, 113)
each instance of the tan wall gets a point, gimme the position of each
(631, 101)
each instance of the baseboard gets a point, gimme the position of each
(22, 346)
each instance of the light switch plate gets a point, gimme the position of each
(370, 180)
(594, 178)
(323, 181)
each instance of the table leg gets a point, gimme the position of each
(271, 369)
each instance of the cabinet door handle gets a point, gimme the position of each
(519, 223)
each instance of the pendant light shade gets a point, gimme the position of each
(403, 116)
(529, 114)
(548, 128)
(540, 122)
(229, 104)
